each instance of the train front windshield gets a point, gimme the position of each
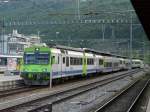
(36, 58)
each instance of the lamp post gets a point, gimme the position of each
(78, 2)
(131, 39)
(50, 78)
(103, 31)
(131, 33)
(50, 75)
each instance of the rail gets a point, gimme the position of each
(83, 89)
(123, 96)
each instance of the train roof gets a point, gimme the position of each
(119, 56)
(87, 50)
(66, 47)
(97, 52)
(103, 53)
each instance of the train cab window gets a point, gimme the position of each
(62, 51)
(67, 61)
(29, 58)
(121, 62)
(63, 60)
(101, 61)
(42, 58)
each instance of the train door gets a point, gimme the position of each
(63, 64)
(59, 64)
(67, 65)
(97, 64)
(56, 66)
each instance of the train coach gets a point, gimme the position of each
(41, 62)
(136, 63)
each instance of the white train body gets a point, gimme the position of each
(136, 63)
(70, 62)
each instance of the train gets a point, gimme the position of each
(41, 62)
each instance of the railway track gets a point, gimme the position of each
(126, 99)
(45, 103)
(17, 90)
(20, 89)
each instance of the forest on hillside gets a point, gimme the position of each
(81, 35)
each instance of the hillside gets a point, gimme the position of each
(41, 10)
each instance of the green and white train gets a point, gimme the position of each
(41, 62)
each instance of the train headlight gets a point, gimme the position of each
(44, 70)
(37, 49)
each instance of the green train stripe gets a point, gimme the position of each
(84, 72)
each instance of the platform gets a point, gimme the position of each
(8, 82)
(10, 78)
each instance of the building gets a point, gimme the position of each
(15, 43)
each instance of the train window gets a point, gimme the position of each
(29, 58)
(53, 59)
(75, 61)
(67, 61)
(42, 58)
(101, 61)
(120, 61)
(108, 64)
(38, 58)
(84, 61)
(124, 62)
(71, 61)
(80, 61)
(63, 60)
(66, 52)
(3, 61)
(116, 64)
(62, 51)
(90, 61)
(58, 60)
